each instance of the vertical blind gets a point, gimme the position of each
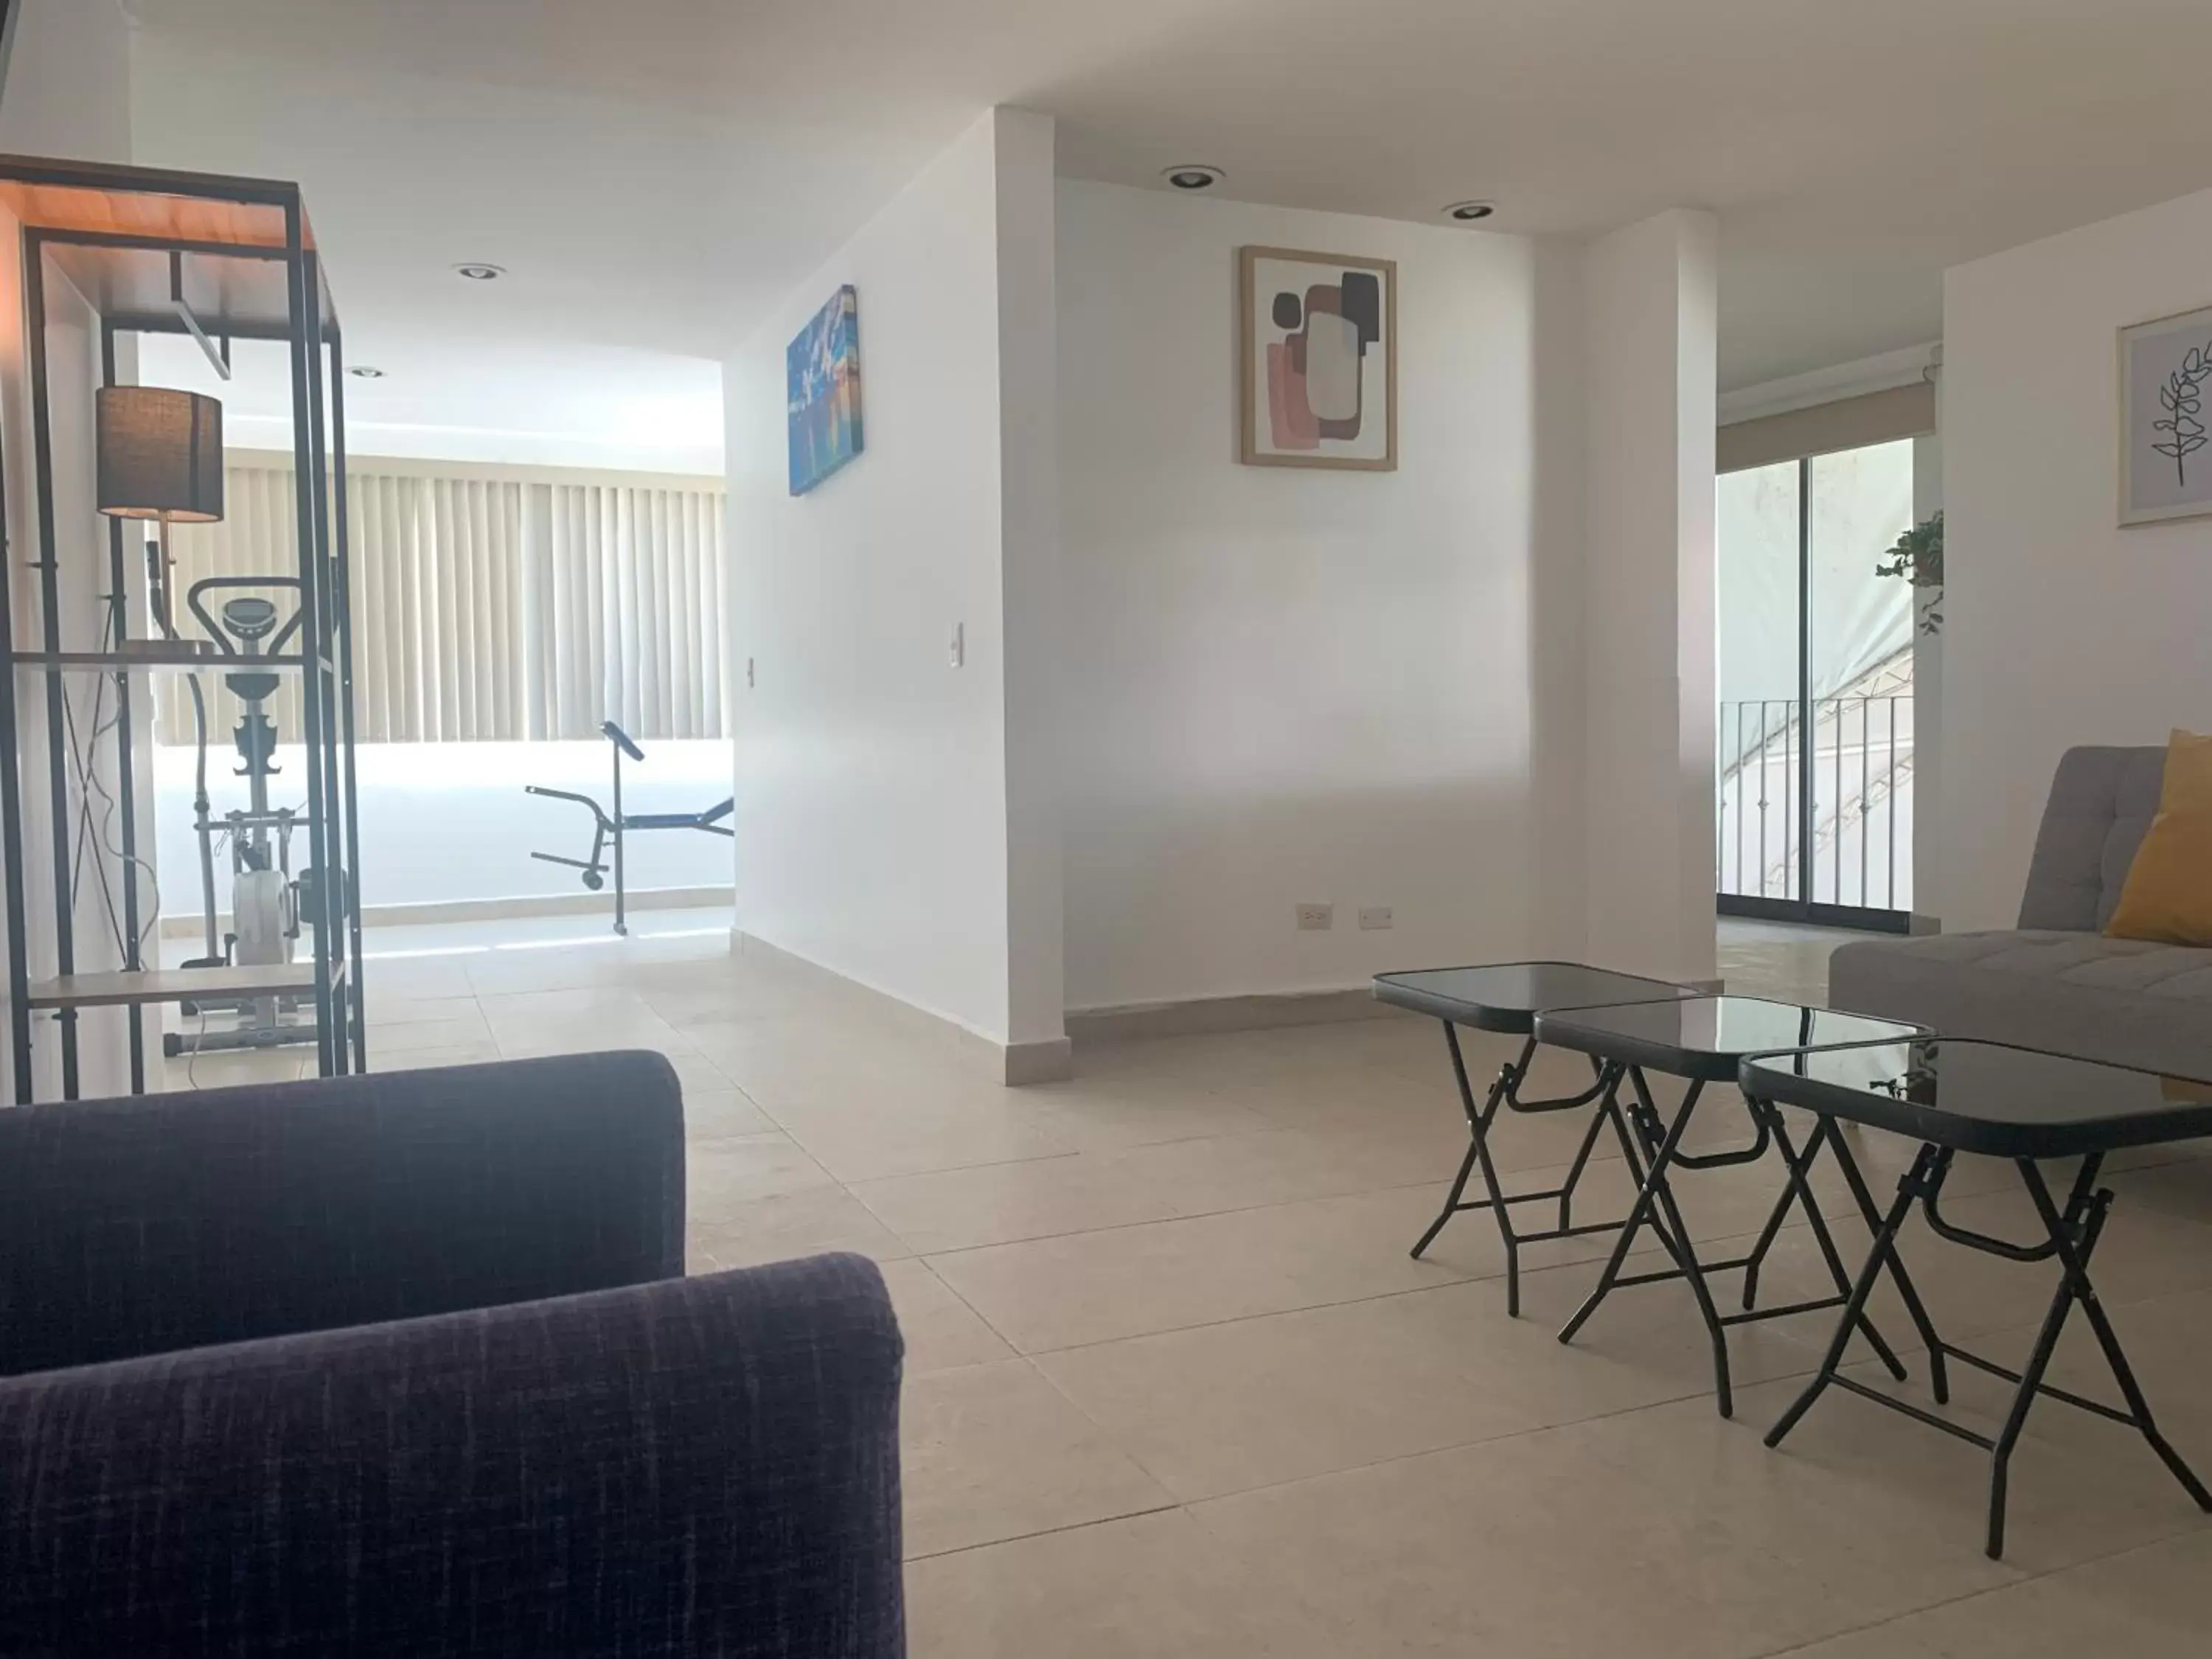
(491, 608)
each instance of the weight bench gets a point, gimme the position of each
(610, 827)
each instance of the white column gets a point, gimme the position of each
(1648, 385)
(1029, 531)
(903, 618)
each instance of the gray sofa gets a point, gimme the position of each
(2055, 981)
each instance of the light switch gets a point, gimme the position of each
(957, 653)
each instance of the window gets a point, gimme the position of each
(495, 607)
(1815, 668)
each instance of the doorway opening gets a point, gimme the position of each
(1815, 677)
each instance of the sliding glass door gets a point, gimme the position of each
(1814, 758)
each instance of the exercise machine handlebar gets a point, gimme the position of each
(621, 739)
(221, 634)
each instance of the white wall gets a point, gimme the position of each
(1234, 690)
(67, 94)
(1284, 686)
(876, 837)
(1648, 596)
(2059, 628)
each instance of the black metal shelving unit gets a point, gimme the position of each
(121, 235)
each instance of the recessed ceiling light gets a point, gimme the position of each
(366, 371)
(1468, 212)
(1192, 175)
(477, 271)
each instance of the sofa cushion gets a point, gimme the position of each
(2123, 1001)
(2101, 802)
(2168, 893)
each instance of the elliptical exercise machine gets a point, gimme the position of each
(265, 896)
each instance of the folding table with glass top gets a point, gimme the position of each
(1954, 1096)
(1506, 997)
(1703, 1040)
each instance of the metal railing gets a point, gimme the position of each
(1861, 778)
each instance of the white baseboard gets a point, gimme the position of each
(494, 909)
(1011, 1063)
(1209, 1014)
(1052, 1061)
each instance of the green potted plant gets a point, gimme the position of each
(1917, 556)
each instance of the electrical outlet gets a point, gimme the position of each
(1374, 918)
(1316, 918)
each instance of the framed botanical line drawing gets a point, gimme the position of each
(1318, 360)
(2166, 425)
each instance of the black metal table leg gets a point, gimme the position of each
(1654, 1153)
(1885, 1239)
(1686, 1250)
(1478, 1127)
(1510, 1082)
(1799, 1186)
(1771, 1123)
(2070, 1237)
(1638, 1144)
(1653, 1191)
(1582, 1153)
(2030, 1380)
(1506, 1093)
(1939, 1376)
(1767, 1234)
(2073, 1242)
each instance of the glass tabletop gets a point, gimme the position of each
(1989, 1096)
(1508, 995)
(1708, 1036)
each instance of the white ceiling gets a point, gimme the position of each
(655, 171)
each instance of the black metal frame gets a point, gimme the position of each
(1505, 1092)
(1751, 908)
(323, 575)
(1661, 1144)
(2070, 1237)
(119, 614)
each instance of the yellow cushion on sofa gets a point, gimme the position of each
(2168, 895)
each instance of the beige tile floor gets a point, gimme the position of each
(1778, 958)
(1174, 1387)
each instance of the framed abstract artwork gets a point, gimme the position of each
(822, 375)
(1317, 359)
(2166, 430)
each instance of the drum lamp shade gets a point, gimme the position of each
(160, 454)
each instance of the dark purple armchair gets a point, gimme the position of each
(408, 1365)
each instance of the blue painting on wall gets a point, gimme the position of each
(822, 372)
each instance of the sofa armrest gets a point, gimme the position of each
(141, 1225)
(699, 1466)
